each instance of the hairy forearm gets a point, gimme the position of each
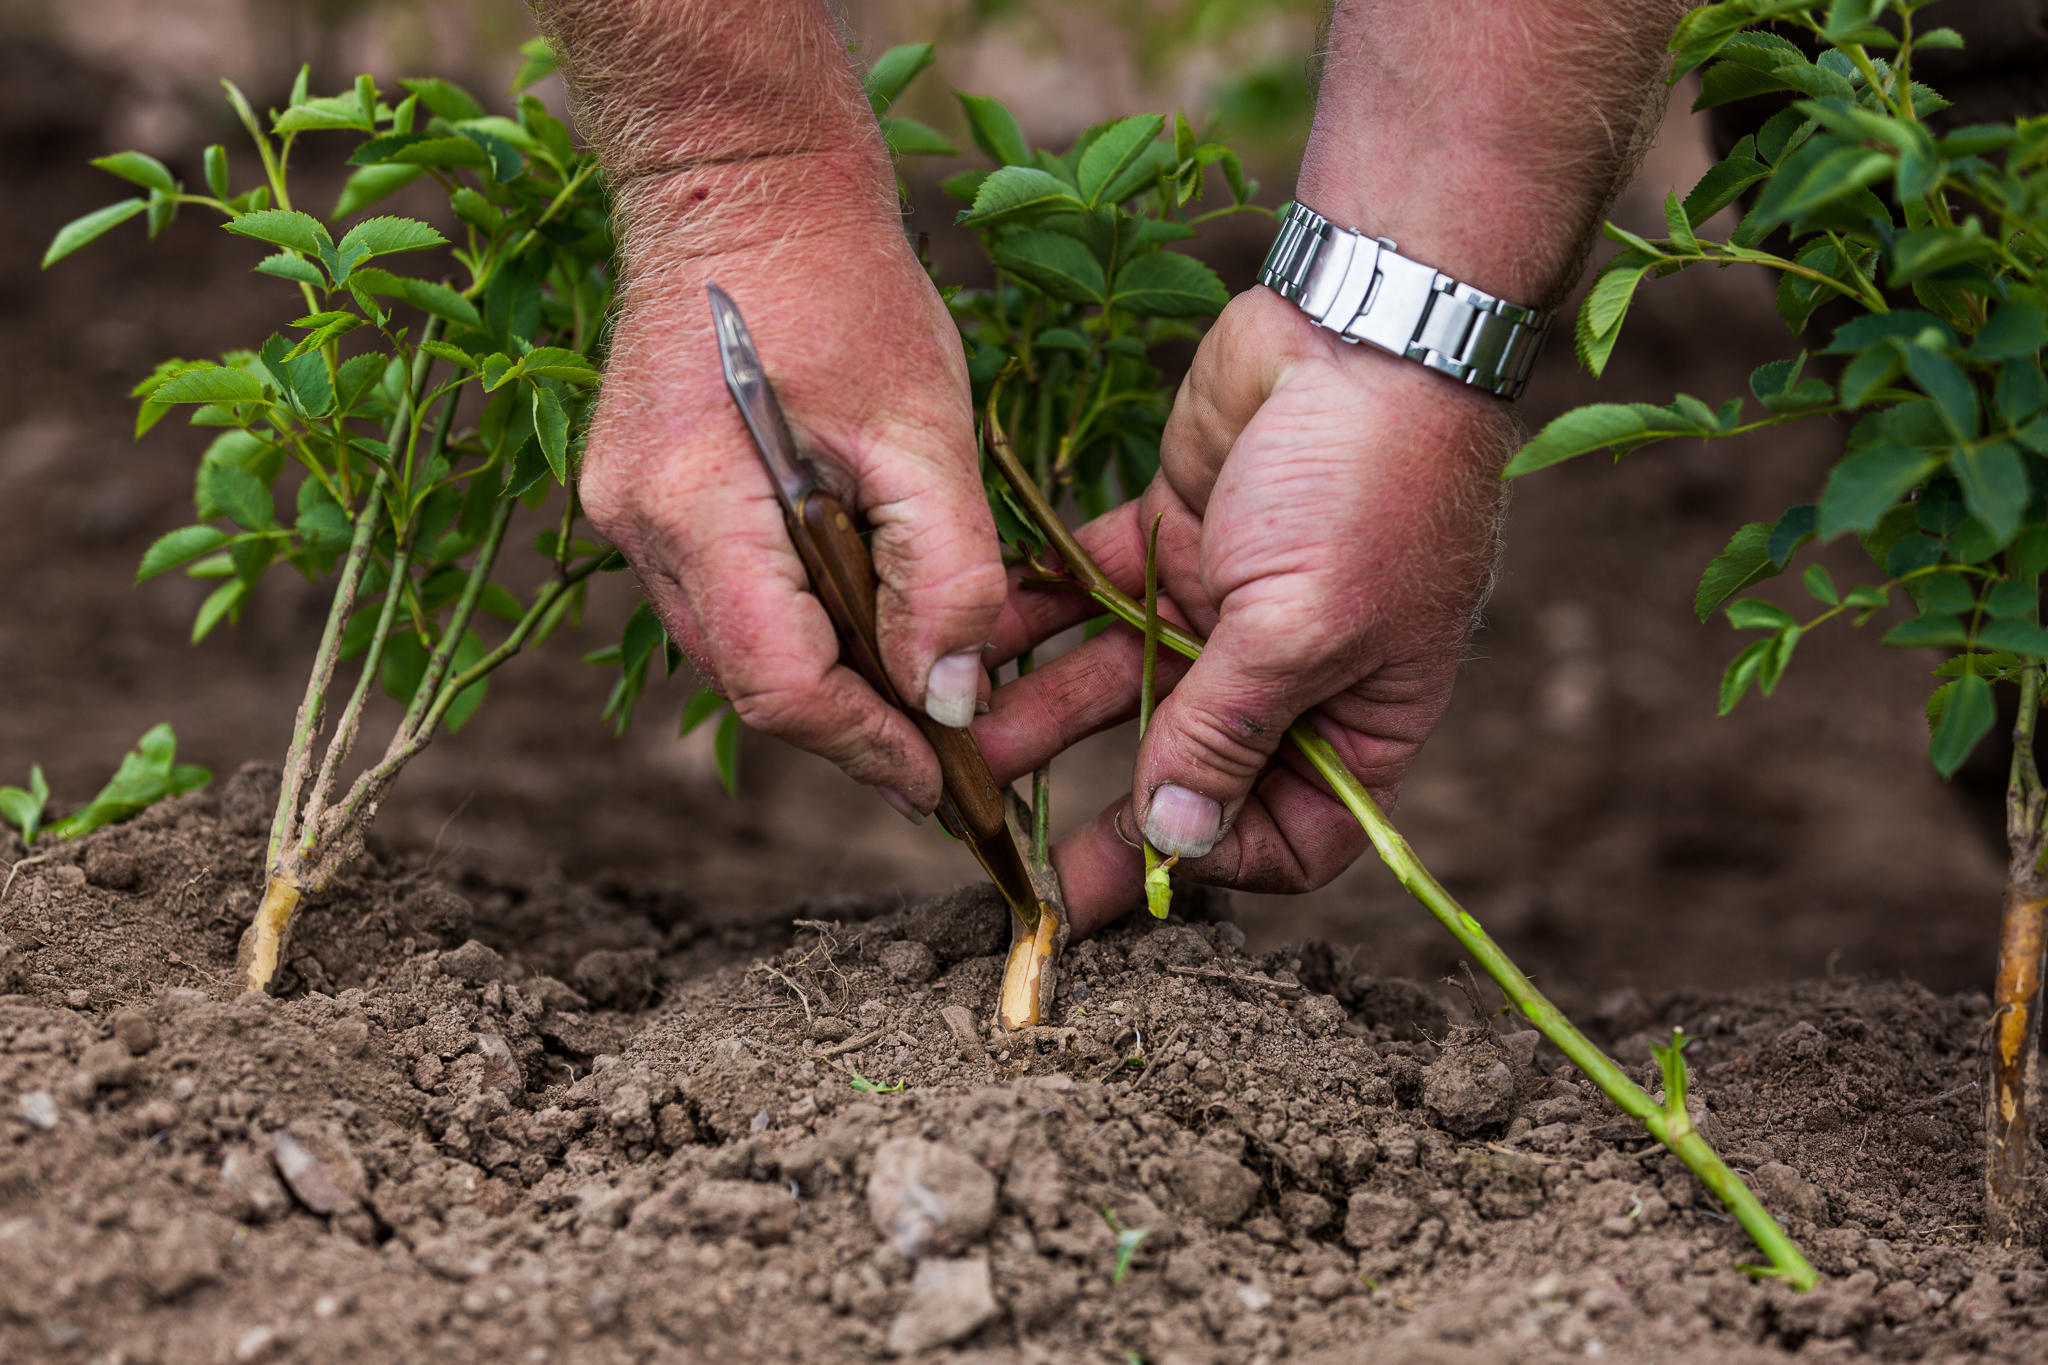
(1486, 138)
(719, 122)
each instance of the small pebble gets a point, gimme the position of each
(38, 1109)
(136, 1031)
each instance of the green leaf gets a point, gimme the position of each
(1945, 593)
(2012, 598)
(551, 427)
(537, 63)
(475, 210)
(79, 231)
(240, 495)
(224, 603)
(138, 169)
(387, 236)
(1677, 225)
(285, 228)
(1753, 613)
(1965, 719)
(1994, 480)
(1941, 379)
(425, 295)
(1016, 192)
(368, 184)
(908, 137)
(1793, 530)
(1167, 284)
(2015, 328)
(641, 636)
(1929, 630)
(1720, 187)
(1053, 262)
(1600, 316)
(177, 547)
(1745, 560)
(327, 113)
(206, 383)
(24, 808)
(147, 775)
(725, 750)
(449, 101)
(1869, 372)
(1598, 426)
(702, 705)
(995, 130)
(2015, 636)
(1864, 487)
(422, 150)
(892, 71)
(1741, 673)
(558, 362)
(216, 161)
(286, 266)
(1821, 584)
(1114, 152)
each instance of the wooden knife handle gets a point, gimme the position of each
(843, 576)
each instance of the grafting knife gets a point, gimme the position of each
(973, 808)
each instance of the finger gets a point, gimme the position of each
(1031, 615)
(786, 680)
(1083, 692)
(1213, 734)
(1101, 876)
(1292, 836)
(936, 555)
(707, 537)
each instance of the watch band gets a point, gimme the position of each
(1364, 290)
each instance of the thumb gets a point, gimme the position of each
(1214, 733)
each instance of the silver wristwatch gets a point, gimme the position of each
(1364, 290)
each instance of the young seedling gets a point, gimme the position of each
(1676, 1132)
(868, 1087)
(1928, 250)
(1128, 1240)
(22, 807)
(409, 418)
(148, 774)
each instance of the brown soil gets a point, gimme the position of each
(488, 1183)
(498, 1118)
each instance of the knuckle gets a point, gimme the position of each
(1234, 744)
(774, 710)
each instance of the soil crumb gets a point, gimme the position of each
(540, 1122)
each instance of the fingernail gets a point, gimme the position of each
(953, 687)
(900, 803)
(1183, 822)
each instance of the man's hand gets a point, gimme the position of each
(1328, 521)
(869, 368)
(742, 152)
(1328, 511)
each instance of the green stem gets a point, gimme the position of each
(299, 753)
(361, 801)
(345, 730)
(465, 608)
(1673, 1127)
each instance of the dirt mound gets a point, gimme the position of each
(538, 1121)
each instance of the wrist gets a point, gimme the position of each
(689, 213)
(1476, 229)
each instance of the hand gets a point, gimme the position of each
(869, 369)
(1328, 522)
